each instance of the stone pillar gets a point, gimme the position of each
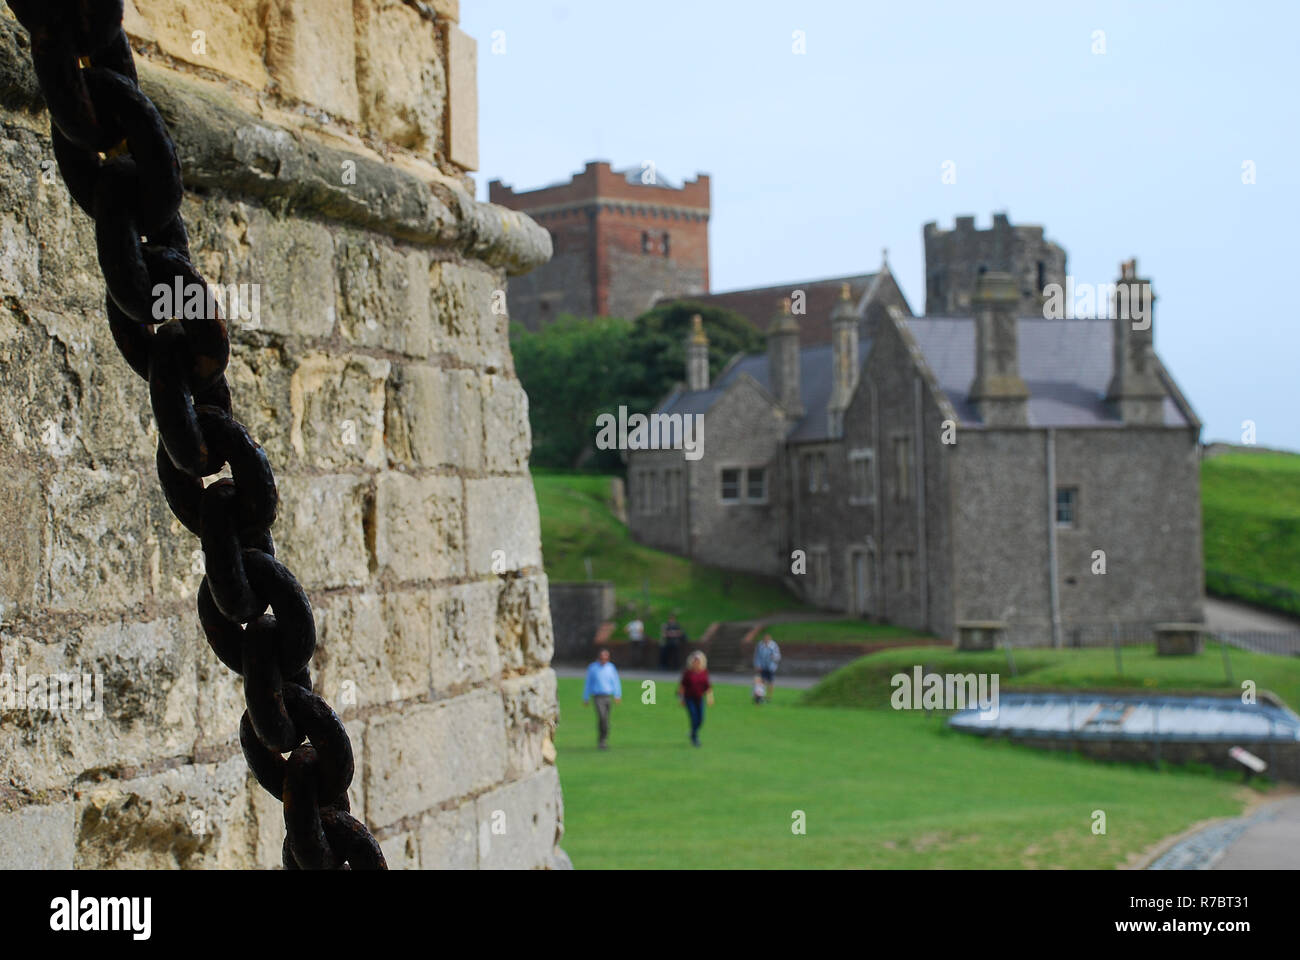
(998, 392)
(1135, 387)
(783, 360)
(697, 356)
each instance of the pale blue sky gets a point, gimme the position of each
(820, 160)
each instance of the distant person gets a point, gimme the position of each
(636, 631)
(760, 691)
(767, 657)
(672, 636)
(694, 690)
(602, 686)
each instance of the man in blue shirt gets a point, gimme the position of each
(601, 687)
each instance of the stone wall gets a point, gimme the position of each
(326, 146)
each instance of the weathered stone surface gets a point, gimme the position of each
(197, 816)
(449, 839)
(531, 710)
(432, 753)
(525, 637)
(233, 38)
(374, 648)
(383, 295)
(435, 417)
(99, 529)
(507, 437)
(124, 694)
(529, 811)
(338, 411)
(22, 585)
(260, 386)
(37, 838)
(418, 530)
(310, 50)
(464, 324)
(462, 98)
(402, 851)
(503, 526)
(321, 529)
(463, 651)
(400, 75)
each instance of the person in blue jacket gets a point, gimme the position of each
(602, 687)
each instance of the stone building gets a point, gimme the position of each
(326, 147)
(623, 239)
(943, 472)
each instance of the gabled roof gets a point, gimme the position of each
(815, 379)
(1066, 364)
(759, 304)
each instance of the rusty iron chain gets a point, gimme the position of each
(121, 167)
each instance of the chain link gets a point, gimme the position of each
(121, 167)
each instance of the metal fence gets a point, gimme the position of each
(1118, 635)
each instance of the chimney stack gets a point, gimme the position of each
(783, 359)
(697, 356)
(844, 360)
(1135, 389)
(998, 392)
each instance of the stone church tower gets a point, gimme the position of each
(954, 260)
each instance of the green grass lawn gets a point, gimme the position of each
(878, 788)
(1251, 512)
(865, 682)
(841, 631)
(577, 525)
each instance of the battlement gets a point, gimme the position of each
(965, 224)
(955, 258)
(600, 181)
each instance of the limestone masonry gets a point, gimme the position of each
(326, 147)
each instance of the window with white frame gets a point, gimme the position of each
(756, 485)
(816, 475)
(729, 490)
(1067, 506)
(862, 477)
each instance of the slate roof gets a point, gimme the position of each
(1066, 364)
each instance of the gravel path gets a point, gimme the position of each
(1268, 839)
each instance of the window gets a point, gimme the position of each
(656, 493)
(814, 468)
(903, 562)
(672, 482)
(645, 242)
(638, 492)
(731, 485)
(1042, 276)
(862, 479)
(756, 485)
(664, 249)
(1067, 506)
(902, 469)
(819, 568)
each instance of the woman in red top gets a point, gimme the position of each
(694, 689)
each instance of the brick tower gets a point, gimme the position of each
(621, 243)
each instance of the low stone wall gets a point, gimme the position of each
(577, 612)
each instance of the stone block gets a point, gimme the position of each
(400, 75)
(525, 638)
(435, 417)
(321, 529)
(402, 851)
(338, 411)
(507, 436)
(419, 534)
(531, 710)
(462, 98)
(384, 295)
(464, 325)
(22, 550)
(431, 753)
(37, 837)
(449, 839)
(502, 519)
(374, 648)
(232, 42)
(311, 53)
(517, 823)
(463, 652)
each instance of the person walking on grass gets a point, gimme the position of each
(694, 690)
(602, 686)
(767, 657)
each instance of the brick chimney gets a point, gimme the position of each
(844, 360)
(697, 356)
(1135, 389)
(783, 359)
(998, 392)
